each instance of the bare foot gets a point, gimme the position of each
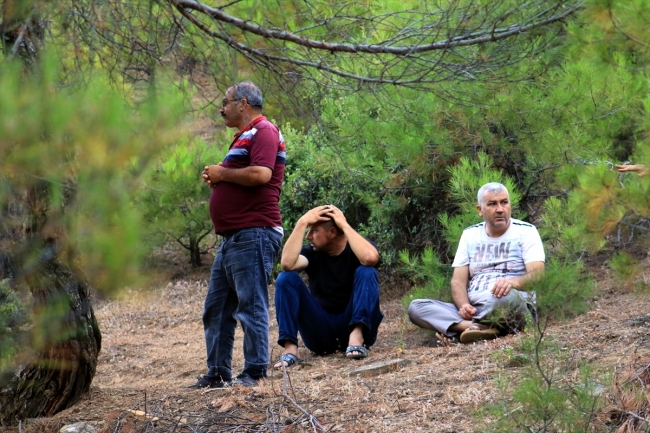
(461, 326)
(356, 339)
(478, 326)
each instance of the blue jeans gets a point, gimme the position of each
(238, 290)
(298, 311)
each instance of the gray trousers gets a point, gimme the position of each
(507, 312)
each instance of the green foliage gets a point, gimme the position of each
(77, 154)
(539, 406)
(597, 198)
(553, 391)
(564, 290)
(562, 230)
(175, 200)
(13, 314)
(404, 165)
(418, 159)
(466, 179)
(625, 267)
(314, 177)
(428, 274)
(615, 208)
(386, 159)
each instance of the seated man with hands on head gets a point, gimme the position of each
(340, 310)
(495, 262)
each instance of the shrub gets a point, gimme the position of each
(431, 277)
(175, 200)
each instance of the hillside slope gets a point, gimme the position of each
(153, 349)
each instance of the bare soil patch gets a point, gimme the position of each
(153, 349)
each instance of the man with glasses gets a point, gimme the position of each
(244, 208)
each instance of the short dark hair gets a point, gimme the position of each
(248, 90)
(330, 223)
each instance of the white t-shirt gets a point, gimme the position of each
(502, 257)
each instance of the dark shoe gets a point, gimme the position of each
(210, 382)
(243, 380)
(362, 352)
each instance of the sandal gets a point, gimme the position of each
(289, 358)
(444, 341)
(363, 352)
(475, 333)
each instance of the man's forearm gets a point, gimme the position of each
(293, 246)
(364, 250)
(246, 176)
(534, 270)
(521, 282)
(459, 294)
(459, 286)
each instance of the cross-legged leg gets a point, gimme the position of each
(437, 316)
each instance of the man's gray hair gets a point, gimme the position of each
(492, 188)
(248, 90)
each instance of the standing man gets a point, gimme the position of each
(496, 260)
(244, 208)
(340, 310)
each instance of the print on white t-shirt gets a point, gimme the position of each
(502, 257)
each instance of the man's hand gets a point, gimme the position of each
(212, 174)
(502, 287)
(291, 260)
(365, 251)
(467, 312)
(253, 175)
(315, 215)
(336, 215)
(636, 168)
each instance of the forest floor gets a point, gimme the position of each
(153, 349)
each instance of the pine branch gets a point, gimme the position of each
(474, 38)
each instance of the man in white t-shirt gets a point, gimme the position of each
(495, 261)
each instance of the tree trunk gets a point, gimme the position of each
(59, 358)
(195, 252)
(65, 345)
(6, 268)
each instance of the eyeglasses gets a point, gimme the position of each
(226, 101)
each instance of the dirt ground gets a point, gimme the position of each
(153, 349)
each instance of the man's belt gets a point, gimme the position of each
(228, 233)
